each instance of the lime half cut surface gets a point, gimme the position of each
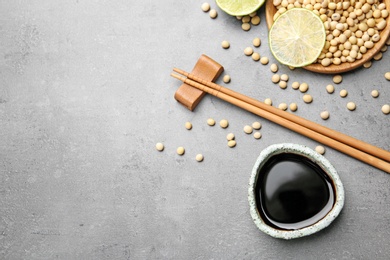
(239, 7)
(297, 37)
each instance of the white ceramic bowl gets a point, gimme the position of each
(319, 160)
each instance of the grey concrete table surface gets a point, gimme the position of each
(85, 94)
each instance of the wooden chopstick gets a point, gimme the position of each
(342, 147)
(358, 144)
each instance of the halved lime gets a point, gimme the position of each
(239, 7)
(297, 37)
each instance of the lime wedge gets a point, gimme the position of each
(297, 37)
(239, 7)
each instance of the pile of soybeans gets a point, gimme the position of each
(352, 27)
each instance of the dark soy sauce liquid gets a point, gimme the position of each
(292, 192)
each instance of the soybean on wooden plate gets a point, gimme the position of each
(270, 11)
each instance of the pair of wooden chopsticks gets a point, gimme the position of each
(355, 148)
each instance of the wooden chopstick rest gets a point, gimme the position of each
(207, 69)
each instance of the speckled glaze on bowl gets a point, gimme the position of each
(319, 160)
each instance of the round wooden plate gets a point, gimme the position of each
(270, 10)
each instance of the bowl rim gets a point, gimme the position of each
(315, 157)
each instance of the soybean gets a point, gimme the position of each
(188, 125)
(180, 150)
(386, 109)
(256, 42)
(232, 143)
(256, 125)
(255, 20)
(211, 122)
(274, 67)
(256, 56)
(303, 87)
(293, 107)
(248, 129)
(275, 78)
(226, 79)
(257, 135)
(295, 85)
(268, 101)
(282, 106)
(337, 79)
(320, 149)
(282, 84)
(224, 123)
(284, 77)
(374, 93)
(246, 26)
(199, 157)
(160, 147)
(307, 98)
(225, 44)
(351, 106)
(324, 115)
(213, 14)
(230, 136)
(343, 93)
(248, 51)
(264, 60)
(330, 88)
(205, 7)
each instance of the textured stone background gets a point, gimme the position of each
(85, 94)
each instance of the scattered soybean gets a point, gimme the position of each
(386, 109)
(268, 101)
(257, 135)
(180, 150)
(205, 7)
(224, 123)
(320, 149)
(211, 122)
(337, 79)
(343, 93)
(226, 79)
(160, 147)
(213, 14)
(188, 125)
(230, 136)
(307, 98)
(303, 87)
(225, 44)
(375, 93)
(324, 115)
(256, 42)
(351, 106)
(199, 157)
(248, 129)
(248, 51)
(283, 106)
(293, 107)
(232, 143)
(256, 125)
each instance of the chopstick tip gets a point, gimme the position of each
(176, 76)
(182, 72)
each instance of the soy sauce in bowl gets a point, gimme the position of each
(292, 192)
